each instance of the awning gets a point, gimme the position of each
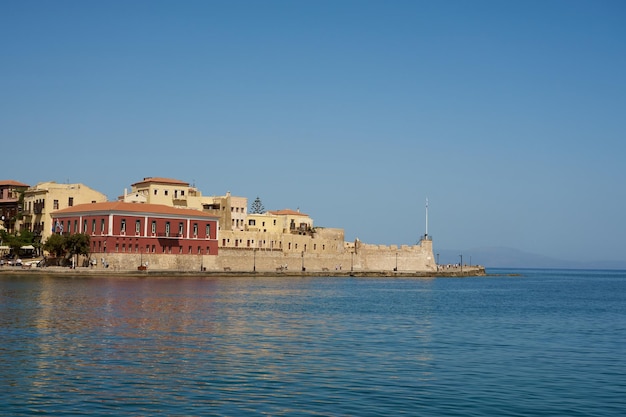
(28, 247)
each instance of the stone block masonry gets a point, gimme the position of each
(355, 257)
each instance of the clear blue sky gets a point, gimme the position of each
(509, 116)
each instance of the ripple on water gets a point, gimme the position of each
(534, 345)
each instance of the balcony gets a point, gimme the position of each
(168, 235)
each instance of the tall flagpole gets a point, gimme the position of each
(426, 216)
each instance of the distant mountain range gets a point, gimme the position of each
(500, 257)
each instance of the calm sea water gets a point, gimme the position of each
(546, 343)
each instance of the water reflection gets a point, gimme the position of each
(227, 343)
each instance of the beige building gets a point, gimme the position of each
(294, 222)
(264, 223)
(166, 191)
(289, 231)
(231, 210)
(45, 198)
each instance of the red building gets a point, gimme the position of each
(119, 227)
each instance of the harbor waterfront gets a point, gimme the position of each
(457, 271)
(515, 343)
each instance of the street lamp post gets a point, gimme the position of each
(352, 261)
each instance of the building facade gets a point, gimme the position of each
(140, 228)
(167, 191)
(294, 222)
(45, 198)
(231, 210)
(11, 204)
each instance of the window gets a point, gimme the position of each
(137, 226)
(263, 224)
(208, 230)
(153, 227)
(195, 230)
(55, 205)
(251, 222)
(85, 226)
(101, 226)
(70, 201)
(274, 222)
(167, 229)
(155, 192)
(182, 192)
(165, 192)
(123, 226)
(180, 229)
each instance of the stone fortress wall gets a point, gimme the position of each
(324, 251)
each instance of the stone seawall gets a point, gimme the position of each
(472, 271)
(354, 258)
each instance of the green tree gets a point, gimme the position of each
(257, 206)
(55, 244)
(77, 244)
(16, 240)
(66, 246)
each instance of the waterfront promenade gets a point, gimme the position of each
(466, 271)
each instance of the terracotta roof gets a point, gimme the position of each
(121, 206)
(13, 183)
(161, 180)
(288, 212)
